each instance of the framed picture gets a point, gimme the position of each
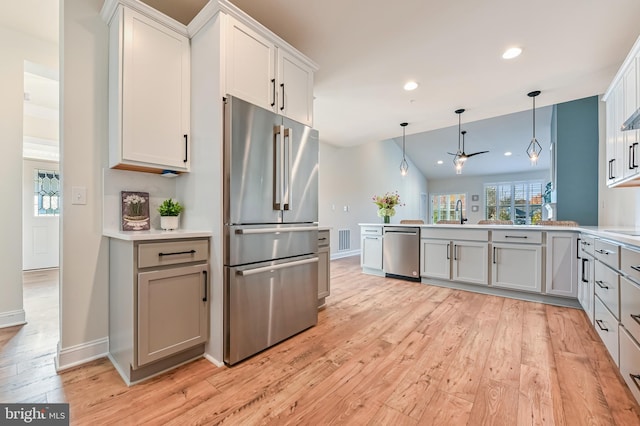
(474, 209)
(475, 197)
(135, 211)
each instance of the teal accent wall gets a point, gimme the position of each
(577, 161)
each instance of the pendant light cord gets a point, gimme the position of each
(534, 117)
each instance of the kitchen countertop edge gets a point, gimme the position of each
(154, 234)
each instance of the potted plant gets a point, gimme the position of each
(170, 214)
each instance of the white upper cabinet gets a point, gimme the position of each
(149, 94)
(266, 73)
(622, 100)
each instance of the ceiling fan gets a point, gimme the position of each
(460, 156)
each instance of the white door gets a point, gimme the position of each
(40, 229)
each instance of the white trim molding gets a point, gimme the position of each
(346, 253)
(80, 354)
(213, 361)
(11, 318)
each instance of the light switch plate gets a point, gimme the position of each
(78, 195)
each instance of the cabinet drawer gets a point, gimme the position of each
(607, 329)
(630, 362)
(172, 252)
(607, 253)
(455, 234)
(323, 238)
(607, 286)
(586, 245)
(371, 230)
(520, 237)
(630, 307)
(630, 263)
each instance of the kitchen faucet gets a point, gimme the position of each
(462, 220)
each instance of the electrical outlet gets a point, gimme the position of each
(346, 208)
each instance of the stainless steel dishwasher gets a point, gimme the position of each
(401, 252)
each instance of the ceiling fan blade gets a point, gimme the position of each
(476, 153)
(451, 153)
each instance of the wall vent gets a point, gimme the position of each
(344, 239)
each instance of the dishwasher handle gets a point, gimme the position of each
(413, 234)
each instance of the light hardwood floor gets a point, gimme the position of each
(384, 352)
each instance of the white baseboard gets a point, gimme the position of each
(346, 253)
(11, 318)
(80, 354)
(213, 361)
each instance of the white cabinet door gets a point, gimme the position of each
(561, 260)
(517, 266)
(250, 65)
(152, 100)
(172, 311)
(470, 262)
(620, 165)
(630, 105)
(435, 258)
(371, 256)
(295, 91)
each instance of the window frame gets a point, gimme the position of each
(513, 207)
(450, 212)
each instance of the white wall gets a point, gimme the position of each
(474, 185)
(352, 176)
(16, 48)
(83, 149)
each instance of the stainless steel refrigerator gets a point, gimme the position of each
(270, 228)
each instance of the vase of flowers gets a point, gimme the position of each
(386, 204)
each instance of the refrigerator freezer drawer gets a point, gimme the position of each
(267, 303)
(250, 244)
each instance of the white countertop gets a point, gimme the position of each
(608, 232)
(154, 234)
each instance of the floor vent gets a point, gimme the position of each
(344, 239)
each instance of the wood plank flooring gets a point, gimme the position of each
(384, 352)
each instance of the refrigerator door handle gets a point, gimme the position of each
(278, 170)
(262, 269)
(249, 231)
(286, 199)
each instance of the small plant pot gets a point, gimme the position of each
(169, 223)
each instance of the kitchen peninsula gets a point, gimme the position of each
(594, 268)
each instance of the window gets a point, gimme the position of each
(443, 207)
(46, 199)
(520, 202)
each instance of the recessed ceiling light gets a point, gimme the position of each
(507, 154)
(410, 85)
(512, 52)
(440, 162)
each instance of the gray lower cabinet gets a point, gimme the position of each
(324, 274)
(158, 304)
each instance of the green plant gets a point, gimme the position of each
(170, 208)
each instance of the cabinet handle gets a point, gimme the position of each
(635, 268)
(322, 239)
(630, 162)
(584, 269)
(494, 255)
(634, 150)
(448, 248)
(636, 318)
(611, 169)
(578, 242)
(282, 87)
(455, 252)
(516, 236)
(175, 253)
(601, 285)
(635, 379)
(273, 97)
(599, 322)
(204, 299)
(603, 251)
(186, 148)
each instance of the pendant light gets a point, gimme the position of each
(534, 149)
(404, 166)
(458, 159)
